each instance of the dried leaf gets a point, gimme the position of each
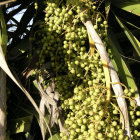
(5, 68)
(42, 109)
(107, 7)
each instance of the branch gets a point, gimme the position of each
(113, 74)
(6, 2)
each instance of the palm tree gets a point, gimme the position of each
(17, 44)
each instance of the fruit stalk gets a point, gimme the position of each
(117, 88)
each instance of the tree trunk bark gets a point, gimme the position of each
(2, 105)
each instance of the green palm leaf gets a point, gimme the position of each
(119, 64)
(132, 6)
(135, 43)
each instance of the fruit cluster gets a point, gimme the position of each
(79, 76)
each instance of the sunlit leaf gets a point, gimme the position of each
(18, 125)
(132, 25)
(132, 6)
(119, 64)
(55, 137)
(107, 79)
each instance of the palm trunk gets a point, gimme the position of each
(2, 105)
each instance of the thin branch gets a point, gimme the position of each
(6, 2)
(129, 58)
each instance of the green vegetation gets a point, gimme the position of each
(69, 81)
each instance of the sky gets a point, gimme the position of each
(17, 17)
